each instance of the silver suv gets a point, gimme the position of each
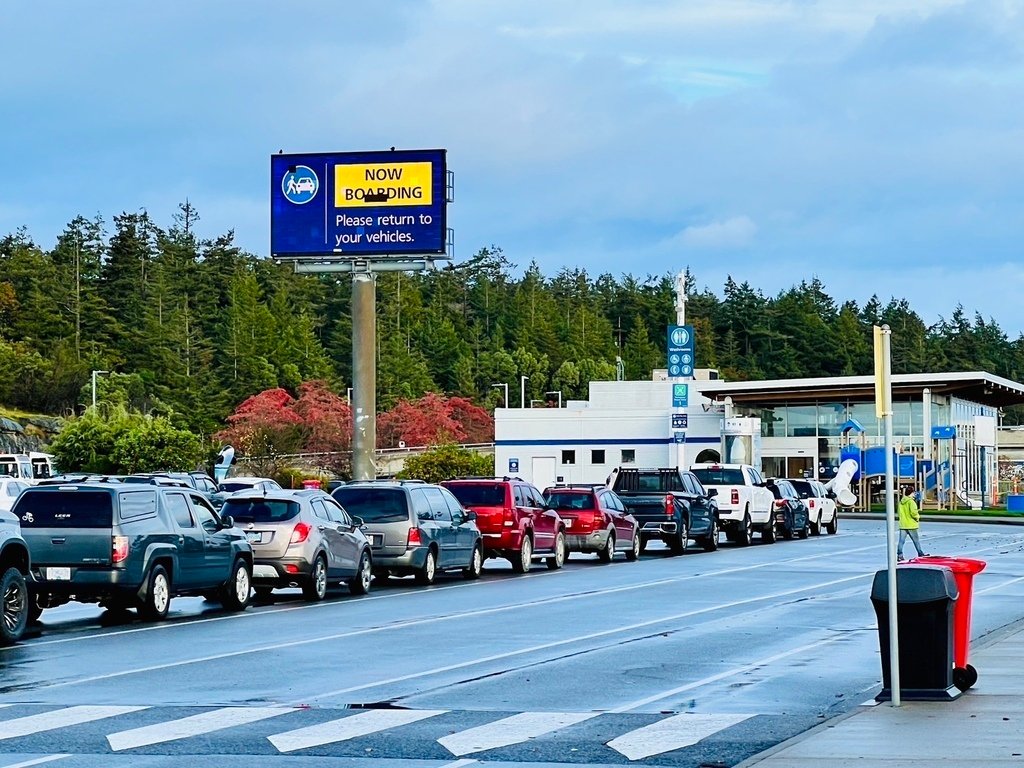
(415, 528)
(301, 539)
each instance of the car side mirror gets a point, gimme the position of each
(712, 492)
(470, 516)
(227, 522)
(357, 521)
(425, 516)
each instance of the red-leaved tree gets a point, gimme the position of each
(476, 423)
(326, 418)
(264, 425)
(432, 420)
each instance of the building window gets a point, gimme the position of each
(628, 456)
(597, 457)
(568, 457)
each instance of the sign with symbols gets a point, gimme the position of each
(679, 421)
(513, 465)
(680, 395)
(679, 437)
(353, 204)
(680, 350)
(943, 433)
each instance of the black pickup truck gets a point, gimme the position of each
(669, 504)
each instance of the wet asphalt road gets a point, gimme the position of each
(699, 660)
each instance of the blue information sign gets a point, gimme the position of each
(680, 350)
(358, 203)
(680, 395)
(513, 465)
(679, 420)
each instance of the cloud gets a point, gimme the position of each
(728, 234)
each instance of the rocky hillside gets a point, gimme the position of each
(21, 434)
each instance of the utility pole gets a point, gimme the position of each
(364, 375)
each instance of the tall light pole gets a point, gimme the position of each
(505, 388)
(522, 391)
(556, 392)
(94, 375)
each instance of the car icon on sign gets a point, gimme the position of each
(305, 184)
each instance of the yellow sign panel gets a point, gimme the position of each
(375, 185)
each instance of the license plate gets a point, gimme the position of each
(253, 537)
(376, 539)
(58, 574)
(568, 522)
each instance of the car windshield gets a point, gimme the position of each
(377, 505)
(478, 494)
(64, 509)
(719, 476)
(232, 487)
(567, 500)
(803, 489)
(260, 510)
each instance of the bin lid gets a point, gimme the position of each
(955, 564)
(916, 584)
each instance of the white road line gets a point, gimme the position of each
(510, 730)
(351, 727)
(458, 764)
(672, 733)
(205, 722)
(36, 761)
(61, 718)
(995, 587)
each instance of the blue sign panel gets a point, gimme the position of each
(679, 437)
(680, 350)
(358, 203)
(680, 395)
(513, 465)
(679, 420)
(943, 433)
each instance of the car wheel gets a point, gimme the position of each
(476, 564)
(428, 572)
(770, 534)
(315, 587)
(710, 542)
(15, 606)
(633, 553)
(804, 532)
(643, 543)
(522, 563)
(360, 583)
(833, 525)
(236, 591)
(557, 560)
(607, 554)
(677, 544)
(745, 534)
(157, 602)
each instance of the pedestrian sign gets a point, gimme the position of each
(300, 184)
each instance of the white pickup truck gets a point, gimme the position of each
(744, 504)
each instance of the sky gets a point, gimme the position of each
(877, 145)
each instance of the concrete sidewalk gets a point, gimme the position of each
(983, 727)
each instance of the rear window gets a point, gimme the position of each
(803, 489)
(232, 487)
(65, 509)
(478, 494)
(562, 500)
(260, 510)
(376, 505)
(719, 476)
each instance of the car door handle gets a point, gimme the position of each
(321, 527)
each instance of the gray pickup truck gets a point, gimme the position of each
(130, 546)
(14, 565)
(669, 504)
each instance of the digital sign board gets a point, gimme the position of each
(353, 204)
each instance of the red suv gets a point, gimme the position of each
(514, 520)
(595, 521)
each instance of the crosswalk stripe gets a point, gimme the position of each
(61, 718)
(195, 725)
(351, 727)
(510, 730)
(672, 733)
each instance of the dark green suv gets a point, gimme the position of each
(125, 546)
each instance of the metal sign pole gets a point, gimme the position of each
(364, 375)
(883, 408)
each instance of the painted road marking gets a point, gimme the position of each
(510, 730)
(36, 761)
(205, 722)
(61, 718)
(351, 727)
(672, 733)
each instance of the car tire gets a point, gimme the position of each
(770, 534)
(677, 543)
(476, 564)
(425, 576)
(522, 563)
(633, 553)
(745, 532)
(314, 589)
(157, 602)
(643, 543)
(359, 584)
(607, 553)
(237, 590)
(14, 606)
(710, 542)
(557, 560)
(804, 532)
(832, 527)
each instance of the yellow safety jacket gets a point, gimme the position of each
(909, 516)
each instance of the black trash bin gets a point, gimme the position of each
(925, 595)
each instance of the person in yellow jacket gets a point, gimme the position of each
(910, 521)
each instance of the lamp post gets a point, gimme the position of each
(556, 392)
(504, 387)
(522, 391)
(94, 375)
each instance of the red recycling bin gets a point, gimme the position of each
(963, 568)
(311, 484)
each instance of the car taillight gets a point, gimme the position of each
(780, 503)
(300, 533)
(735, 497)
(670, 505)
(810, 503)
(415, 538)
(509, 517)
(119, 551)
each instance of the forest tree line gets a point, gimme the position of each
(198, 325)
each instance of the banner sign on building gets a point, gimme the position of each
(680, 350)
(352, 204)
